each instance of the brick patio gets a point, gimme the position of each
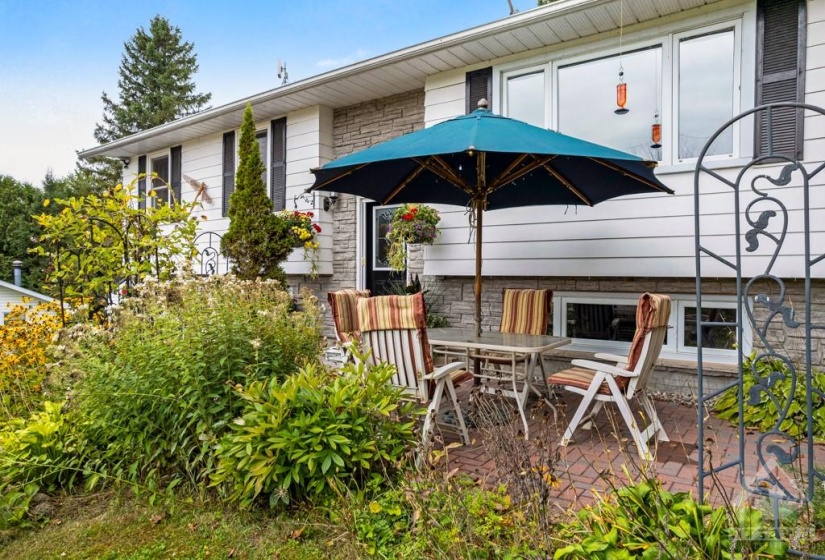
(596, 456)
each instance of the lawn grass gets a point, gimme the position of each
(109, 527)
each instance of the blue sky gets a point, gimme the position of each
(57, 57)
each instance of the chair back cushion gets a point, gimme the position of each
(394, 329)
(525, 311)
(652, 314)
(342, 304)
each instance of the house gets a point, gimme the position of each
(14, 294)
(689, 66)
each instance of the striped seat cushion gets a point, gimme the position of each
(578, 377)
(525, 311)
(342, 304)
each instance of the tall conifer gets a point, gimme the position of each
(257, 241)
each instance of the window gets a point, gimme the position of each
(382, 216)
(587, 99)
(686, 81)
(607, 323)
(706, 93)
(525, 98)
(160, 180)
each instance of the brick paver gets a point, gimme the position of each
(597, 459)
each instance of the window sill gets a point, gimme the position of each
(729, 163)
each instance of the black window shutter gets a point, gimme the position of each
(780, 75)
(277, 158)
(479, 84)
(176, 167)
(228, 169)
(141, 182)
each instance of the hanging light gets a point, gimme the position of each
(656, 133)
(621, 87)
(621, 95)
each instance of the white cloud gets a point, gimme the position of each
(360, 54)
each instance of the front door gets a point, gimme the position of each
(380, 279)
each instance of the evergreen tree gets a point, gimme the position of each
(257, 241)
(155, 87)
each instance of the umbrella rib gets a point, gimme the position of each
(405, 182)
(563, 180)
(631, 175)
(444, 171)
(503, 179)
(341, 176)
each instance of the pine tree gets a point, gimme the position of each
(155, 83)
(257, 241)
(155, 87)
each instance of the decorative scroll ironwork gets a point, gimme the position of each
(210, 258)
(104, 233)
(763, 187)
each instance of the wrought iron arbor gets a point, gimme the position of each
(769, 200)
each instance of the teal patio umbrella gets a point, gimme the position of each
(485, 162)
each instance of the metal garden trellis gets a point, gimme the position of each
(767, 221)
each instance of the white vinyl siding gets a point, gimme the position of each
(309, 144)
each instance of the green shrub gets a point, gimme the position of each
(157, 389)
(644, 521)
(313, 432)
(761, 412)
(38, 454)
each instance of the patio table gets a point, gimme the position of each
(514, 345)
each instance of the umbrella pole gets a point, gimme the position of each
(477, 286)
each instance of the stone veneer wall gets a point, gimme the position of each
(672, 376)
(355, 128)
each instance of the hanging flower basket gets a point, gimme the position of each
(411, 223)
(305, 235)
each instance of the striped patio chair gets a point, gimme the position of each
(599, 383)
(523, 311)
(342, 304)
(394, 330)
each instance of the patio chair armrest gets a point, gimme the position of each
(445, 371)
(611, 358)
(605, 368)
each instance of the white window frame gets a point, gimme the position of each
(547, 70)
(736, 26)
(741, 21)
(674, 349)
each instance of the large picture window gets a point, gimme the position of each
(587, 99)
(687, 82)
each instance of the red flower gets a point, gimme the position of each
(316, 227)
(408, 216)
(310, 214)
